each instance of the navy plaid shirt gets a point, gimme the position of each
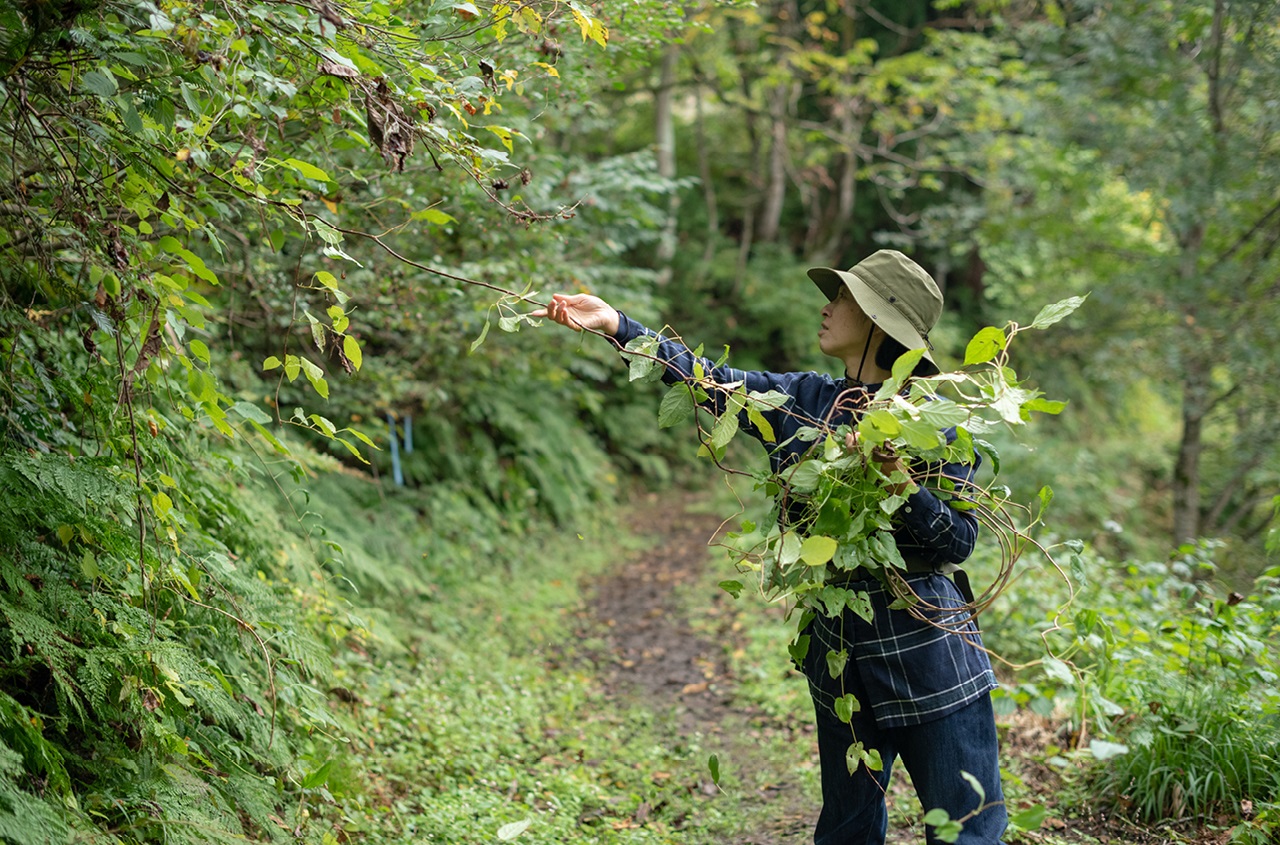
(915, 671)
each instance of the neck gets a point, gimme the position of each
(863, 367)
(871, 374)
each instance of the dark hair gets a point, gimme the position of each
(891, 350)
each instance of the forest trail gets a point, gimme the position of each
(656, 657)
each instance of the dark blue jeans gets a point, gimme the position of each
(935, 752)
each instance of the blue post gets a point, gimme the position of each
(396, 474)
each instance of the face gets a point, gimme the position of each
(844, 328)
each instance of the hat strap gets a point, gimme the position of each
(863, 360)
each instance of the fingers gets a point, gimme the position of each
(561, 310)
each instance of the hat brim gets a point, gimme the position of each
(875, 306)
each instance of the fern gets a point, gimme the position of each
(24, 819)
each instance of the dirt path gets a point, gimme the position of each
(656, 657)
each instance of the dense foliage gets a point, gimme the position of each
(245, 244)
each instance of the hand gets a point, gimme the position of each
(885, 457)
(581, 311)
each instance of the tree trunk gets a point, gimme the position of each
(1186, 471)
(708, 187)
(851, 122)
(776, 187)
(665, 151)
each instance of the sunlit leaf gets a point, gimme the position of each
(985, 345)
(1051, 314)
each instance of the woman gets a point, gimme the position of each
(923, 689)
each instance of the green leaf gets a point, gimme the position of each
(504, 135)
(858, 754)
(639, 353)
(317, 330)
(676, 405)
(845, 706)
(161, 504)
(1044, 406)
(985, 345)
(89, 565)
(836, 661)
(327, 233)
(936, 816)
(315, 375)
(319, 777)
(799, 649)
(513, 829)
(948, 831)
(1058, 670)
(761, 424)
(351, 349)
(860, 603)
(1103, 750)
(882, 421)
(1046, 496)
(976, 786)
(310, 171)
(834, 518)
(713, 766)
(131, 119)
(484, 332)
(724, 430)
(804, 478)
(733, 588)
(251, 412)
(200, 350)
(1030, 819)
(292, 366)
(194, 262)
(362, 437)
(906, 364)
(943, 413)
(922, 435)
(101, 82)
(1051, 314)
(991, 452)
(816, 551)
(433, 216)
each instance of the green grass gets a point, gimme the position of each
(478, 705)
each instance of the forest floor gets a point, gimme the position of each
(674, 643)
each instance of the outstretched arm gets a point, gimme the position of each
(586, 312)
(581, 311)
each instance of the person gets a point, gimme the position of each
(923, 684)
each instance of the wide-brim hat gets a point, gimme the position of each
(895, 292)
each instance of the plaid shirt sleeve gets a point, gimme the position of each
(932, 529)
(680, 363)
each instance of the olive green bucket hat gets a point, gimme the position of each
(895, 292)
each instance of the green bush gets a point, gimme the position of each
(1174, 677)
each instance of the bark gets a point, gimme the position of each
(851, 122)
(1186, 471)
(708, 187)
(665, 132)
(776, 186)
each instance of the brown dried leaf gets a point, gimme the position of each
(330, 68)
